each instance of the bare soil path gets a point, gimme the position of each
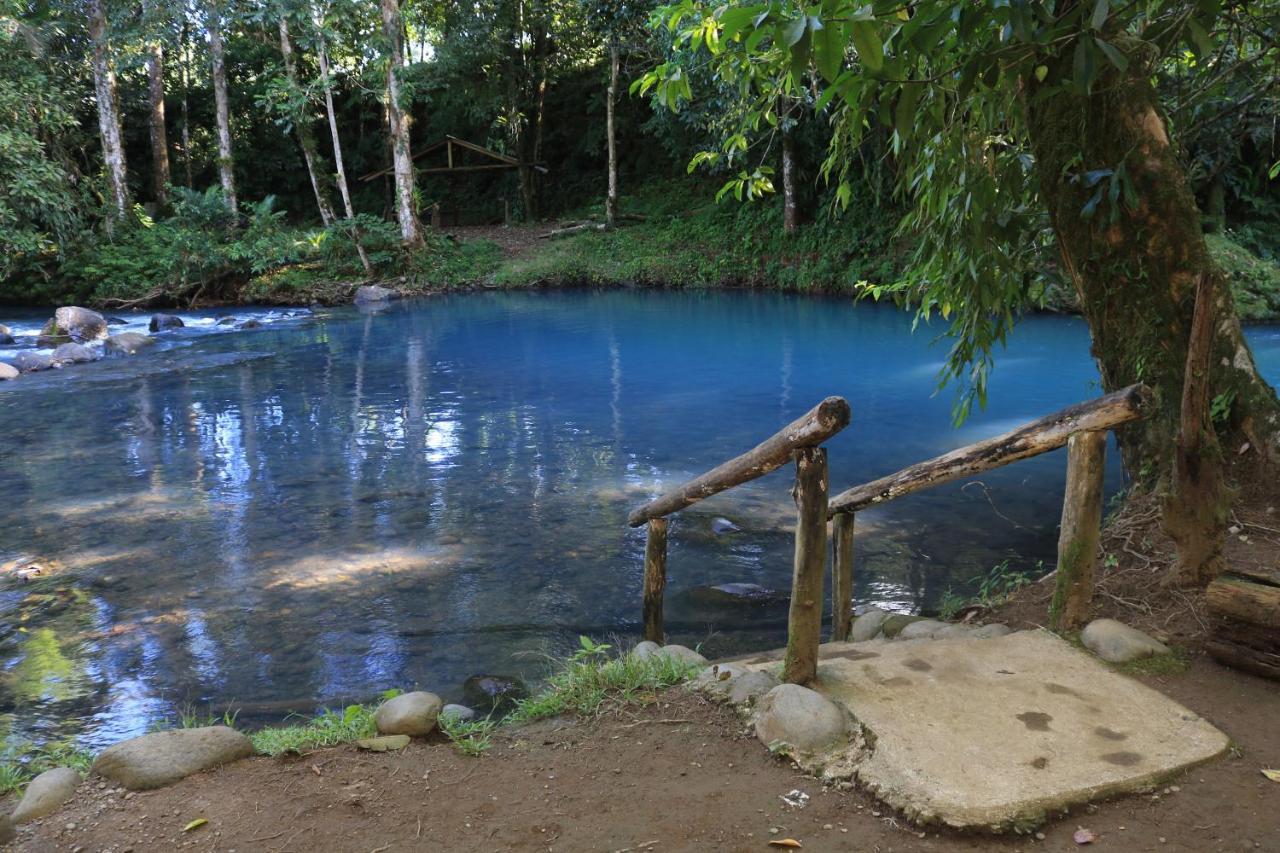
(676, 774)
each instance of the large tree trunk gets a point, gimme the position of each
(155, 97)
(104, 87)
(226, 168)
(399, 121)
(1135, 264)
(306, 139)
(326, 83)
(611, 200)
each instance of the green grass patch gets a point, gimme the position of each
(1176, 662)
(19, 767)
(330, 728)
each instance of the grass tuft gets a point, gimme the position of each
(328, 729)
(1175, 662)
(19, 768)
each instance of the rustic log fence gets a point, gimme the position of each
(800, 441)
(1082, 428)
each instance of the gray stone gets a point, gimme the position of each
(115, 321)
(736, 593)
(127, 343)
(721, 526)
(73, 354)
(249, 324)
(681, 654)
(955, 629)
(30, 362)
(6, 339)
(8, 371)
(924, 629)
(81, 324)
(162, 758)
(644, 650)
(896, 622)
(493, 692)
(227, 321)
(5, 330)
(986, 632)
(715, 679)
(1116, 642)
(161, 322)
(370, 293)
(46, 793)
(412, 714)
(868, 625)
(458, 712)
(800, 718)
(750, 686)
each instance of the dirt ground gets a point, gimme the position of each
(675, 774)
(516, 240)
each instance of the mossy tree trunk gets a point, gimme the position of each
(1131, 240)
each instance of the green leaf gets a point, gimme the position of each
(1199, 38)
(794, 30)
(1042, 71)
(195, 824)
(828, 52)
(1101, 9)
(904, 115)
(1083, 67)
(866, 40)
(1113, 53)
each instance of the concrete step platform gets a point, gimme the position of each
(999, 734)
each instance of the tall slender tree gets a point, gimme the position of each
(301, 124)
(611, 135)
(104, 86)
(155, 100)
(226, 164)
(399, 121)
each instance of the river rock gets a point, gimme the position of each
(249, 324)
(923, 629)
(81, 324)
(680, 654)
(116, 321)
(644, 650)
(46, 793)
(458, 712)
(30, 362)
(715, 679)
(162, 322)
(751, 686)
(1116, 642)
(893, 626)
(227, 321)
(412, 714)
(162, 758)
(73, 354)
(127, 343)
(493, 692)
(799, 717)
(5, 330)
(51, 341)
(986, 632)
(371, 293)
(736, 593)
(8, 371)
(868, 625)
(6, 339)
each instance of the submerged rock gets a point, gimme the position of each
(6, 339)
(227, 321)
(371, 293)
(73, 354)
(8, 371)
(162, 758)
(80, 324)
(1116, 642)
(799, 717)
(46, 794)
(736, 593)
(161, 322)
(127, 343)
(721, 526)
(412, 714)
(493, 692)
(249, 324)
(116, 321)
(30, 362)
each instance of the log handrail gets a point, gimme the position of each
(1032, 439)
(809, 430)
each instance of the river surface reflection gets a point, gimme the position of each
(322, 509)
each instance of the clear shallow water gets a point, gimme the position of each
(335, 505)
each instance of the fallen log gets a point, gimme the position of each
(1048, 433)
(1243, 600)
(809, 430)
(1251, 648)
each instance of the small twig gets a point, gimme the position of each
(643, 722)
(268, 837)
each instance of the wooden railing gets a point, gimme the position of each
(800, 441)
(1082, 427)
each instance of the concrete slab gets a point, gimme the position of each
(999, 733)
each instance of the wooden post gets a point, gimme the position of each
(842, 578)
(1081, 530)
(655, 578)
(804, 623)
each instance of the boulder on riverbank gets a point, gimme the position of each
(46, 793)
(1116, 642)
(412, 714)
(371, 294)
(164, 322)
(800, 718)
(162, 758)
(127, 343)
(8, 371)
(79, 324)
(31, 362)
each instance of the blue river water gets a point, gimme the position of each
(345, 502)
